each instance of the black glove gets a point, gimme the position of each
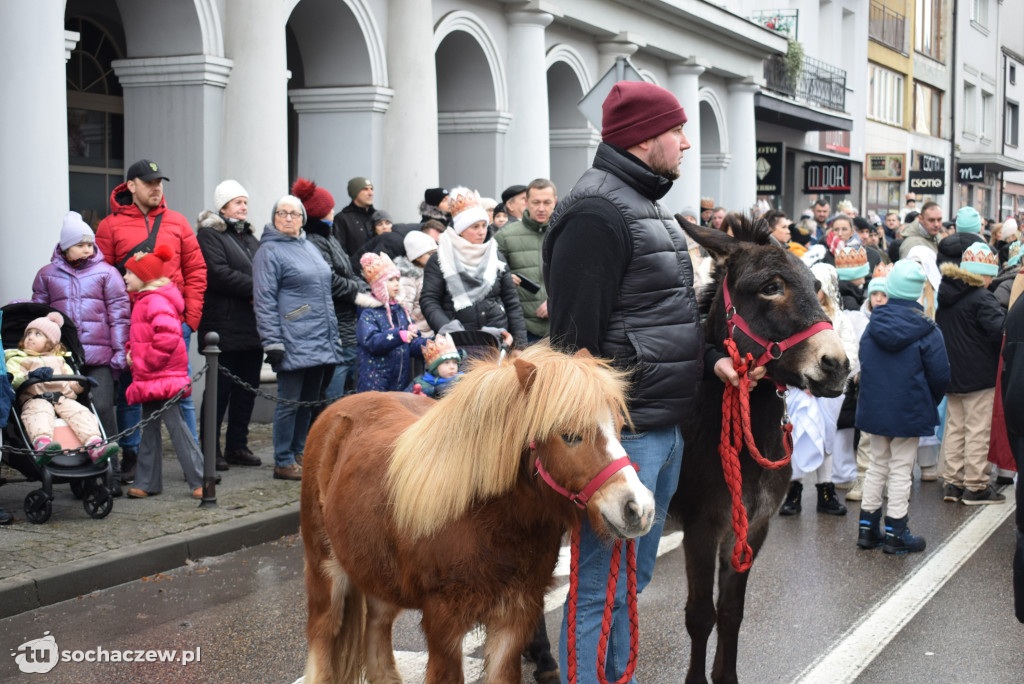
(44, 373)
(274, 358)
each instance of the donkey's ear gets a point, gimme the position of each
(527, 373)
(583, 353)
(719, 244)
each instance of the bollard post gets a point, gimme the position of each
(210, 433)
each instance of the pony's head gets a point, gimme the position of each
(476, 442)
(776, 294)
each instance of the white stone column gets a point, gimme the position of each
(173, 113)
(410, 156)
(254, 143)
(528, 154)
(740, 192)
(684, 83)
(34, 138)
(323, 114)
(623, 45)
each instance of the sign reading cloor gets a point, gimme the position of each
(769, 168)
(831, 176)
(927, 182)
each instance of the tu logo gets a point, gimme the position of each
(37, 656)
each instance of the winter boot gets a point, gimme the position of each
(827, 500)
(870, 536)
(898, 538)
(791, 504)
(115, 465)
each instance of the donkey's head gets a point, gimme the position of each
(776, 295)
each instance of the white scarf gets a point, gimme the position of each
(469, 270)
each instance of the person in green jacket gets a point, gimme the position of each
(520, 243)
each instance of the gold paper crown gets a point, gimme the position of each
(439, 349)
(979, 253)
(462, 198)
(851, 256)
(882, 270)
(707, 203)
(377, 266)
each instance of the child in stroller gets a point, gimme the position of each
(38, 357)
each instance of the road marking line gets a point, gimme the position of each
(412, 665)
(844, 660)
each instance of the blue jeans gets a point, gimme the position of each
(336, 390)
(291, 423)
(188, 407)
(659, 453)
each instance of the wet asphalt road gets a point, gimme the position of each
(810, 587)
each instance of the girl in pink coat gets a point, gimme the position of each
(159, 362)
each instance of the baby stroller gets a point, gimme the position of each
(92, 483)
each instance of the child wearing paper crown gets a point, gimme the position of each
(903, 375)
(385, 335)
(159, 363)
(40, 356)
(971, 320)
(442, 359)
(85, 288)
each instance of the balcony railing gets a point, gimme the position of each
(887, 26)
(818, 83)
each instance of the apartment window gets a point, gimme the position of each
(970, 108)
(1011, 123)
(885, 95)
(928, 28)
(1013, 74)
(986, 115)
(979, 12)
(927, 110)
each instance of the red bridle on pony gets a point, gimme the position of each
(581, 498)
(736, 418)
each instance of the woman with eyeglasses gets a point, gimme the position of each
(297, 325)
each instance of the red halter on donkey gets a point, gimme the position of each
(770, 295)
(437, 506)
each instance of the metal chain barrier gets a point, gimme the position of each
(113, 438)
(274, 398)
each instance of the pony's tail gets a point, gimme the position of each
(336, 607)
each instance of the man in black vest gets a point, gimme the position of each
(620, 284)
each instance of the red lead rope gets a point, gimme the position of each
(736, 432)
(609, 603)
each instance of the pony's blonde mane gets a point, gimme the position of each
(468, 446)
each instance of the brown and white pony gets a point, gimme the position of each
(432, 505)
(775, 294)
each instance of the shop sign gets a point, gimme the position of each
(971, 173)
(830, 176)
(929, 162)
(927, 182)
(769, 168)
(834, 141)
(884, 167)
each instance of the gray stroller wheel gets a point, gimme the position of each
(97, 501)
(38, 507)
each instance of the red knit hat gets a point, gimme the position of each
(149, 266)
(318, 202)
(637, 111)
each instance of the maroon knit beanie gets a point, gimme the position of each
(637, 111)
(317, 200)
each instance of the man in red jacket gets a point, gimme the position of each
(139, 219)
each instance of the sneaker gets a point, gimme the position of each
(856, 493)
(952, 493)
(242, 457)
(288, 472)
(929, 473)
(47, 449)
(849, 484)
(101, 452)
(977, 497)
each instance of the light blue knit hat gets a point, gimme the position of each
(1014, 253)
(968, 220)
(979, 258)
(906, 280)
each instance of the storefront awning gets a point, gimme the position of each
(791, 114)
(994, 163)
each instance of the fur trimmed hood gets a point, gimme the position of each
(213, 219)
(954, 272)
(429, 211)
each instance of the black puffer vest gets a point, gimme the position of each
(654, 330)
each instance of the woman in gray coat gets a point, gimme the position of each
(297, 325)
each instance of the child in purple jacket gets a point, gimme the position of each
(90, 292)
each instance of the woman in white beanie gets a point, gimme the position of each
(229, 245)
(418, 249)
(467, 280)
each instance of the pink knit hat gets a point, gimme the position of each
(49, 325)
(378, 269)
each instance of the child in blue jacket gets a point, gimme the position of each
(385, 335)
(903, 377)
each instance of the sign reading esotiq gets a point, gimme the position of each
(927, 182)
(830, 176)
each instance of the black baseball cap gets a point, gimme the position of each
(144, 170)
